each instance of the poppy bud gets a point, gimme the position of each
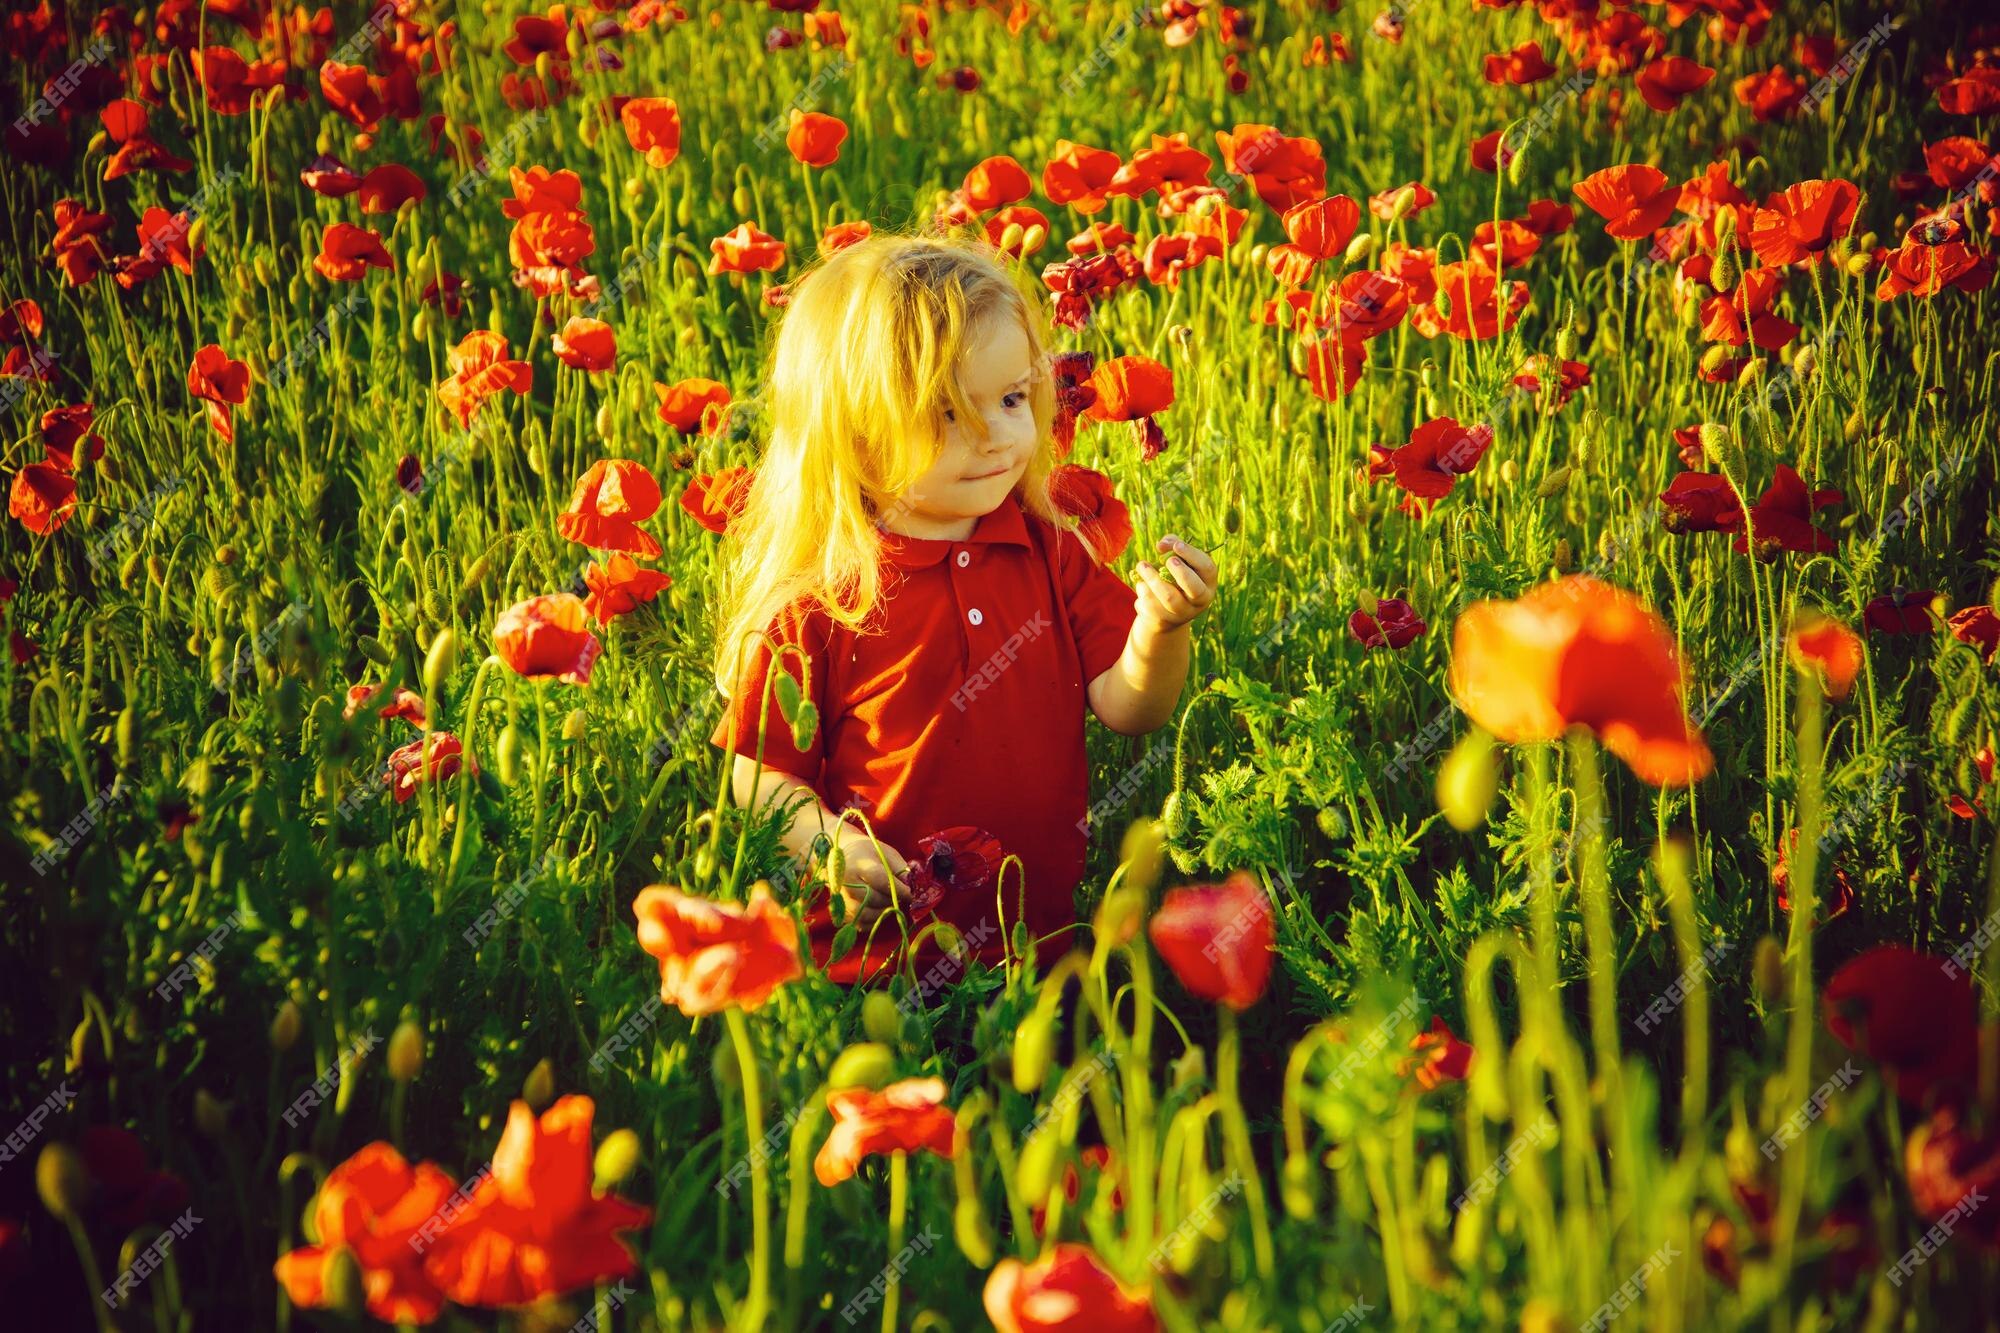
(406, 1052)
(1360, 248)
(1767, 972)
(1034, 1047)
(1257, 253)
(340, 1282)
(786, 687)
(538, 1089)
(440, 661)
(881, 1020)
(1510, 471)
(1180, 335)
(975, 1238)
(286, 1026)
(1295, 1186)
(1566, 343)
(804, 725)
(1857, 264)
(1400, 206)
(62, 1180)
(616, 1159)
(1141, 852)
(1565, 557)
(865, 1064)
(1723, 275)
(1753, 370)
(211, 1114)
(577, 725)
(1034, 238)
(1555, 482)
(1035, 1169)
(1467, 781)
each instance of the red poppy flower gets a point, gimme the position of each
(1523, 65)
(21, 323)
(1285, 171)
(1723, 316)
(373, 1204)
(1926, 270)
(125, 124)
(42, 498)
(214, 378)
(1782, 517)
(1071, 372)
(1170, 161)
(229, 82)
(1218, 939)
(717, 955)
(408, 765)
(1546, 217)
(1706, 194)
(712, 500)
(1087, 495)
(1836, 898)
(77, 250)
(1474, 296)
(447, 292)
(351, 94)
(1383, 205)
(1167, 257)
(405, 704)
(1976, 625)
(535, 1227)
(611, 499)
(1440, 1057)
(1416, 269)
(63, 429)
(1488, 154)
(1394, 624)
(1098, 1158)
(1669, 79)
(1579, 652)
(1065, 1289)
(843, 234)
(693, 405)
(653, 127)
(1799, 223)
(1505, 245)
(995, 183)
(1571, 376)
(1134, 389)
(1910, 1013)
(746, 250)
(586, 344)
(1016, 215)
(1439, 452)
(481, 368)
(959, 860)
(1634, 199)
(1902, 611)
(1772, 94)
(619, 586)
(1823, 645)
(907, 1116)
(346, 252)
(546, 636)
(329, 176)
(1332, 366)
(1975, 93)
(815, 138)
(1080, 176)
(1701, 502)
(1366, 305)
(1219, 222)
(1952, 1167)
(1323, 227)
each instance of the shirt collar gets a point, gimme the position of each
(1007, 524)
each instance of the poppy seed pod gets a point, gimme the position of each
(440, 661)
(865, 1064)
(1565, 556)
(538, 1089)
(406, 1052)
(881, 1019)
(286, 1027)
(1554, 482)
(1753, 370)
(62, 1181)
(1468, 780)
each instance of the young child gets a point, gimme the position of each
(899, 537)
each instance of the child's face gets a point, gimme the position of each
(972, 476)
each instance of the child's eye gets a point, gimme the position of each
(950, 415)
(1014, 400)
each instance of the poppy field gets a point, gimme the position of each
(1566, 896)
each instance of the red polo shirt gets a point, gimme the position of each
(960, 703)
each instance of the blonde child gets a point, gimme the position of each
(900, 537)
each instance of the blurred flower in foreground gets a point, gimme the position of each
(372, 1204)
(1821, 644)
(909, 1116)
(1067, 1288)
(1217, 938)
(545, 636)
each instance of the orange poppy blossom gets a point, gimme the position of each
(125, 123)
(1415, 268)
(1979, 627)
(21, 322)
(1217, 938)
(551, 236)
(1823, 646)
(712, 499)
(652, 126)
(1797, 224)
(1087, 495)
(388, 187)
(1170, 161)
(815, 138)
(1974, 93)
(1781, 520)
(417, 762)
(1571, 376)
(1134, 389)
(76, 246)
(1771, 94)
(612, 498)
(480, 368)
(220, 382)
(1323, 227)
(1508, 244)
(1332, 366)
(1924, 271)
(1469, 303)
(1665, 81)
(1169, 255)
(994, 183)
(1634, 200)
(1064, 1290)
(906, 1116)
(534, 1226)
(694, 405)
(1383, 205)
(545, 635)
(163, 240)
(1756, 291)
(346, 252)
(1080, 176)
(1285, 171)
(1016, 215)
(372, 1205)
(745, 250)
(843, 234)
(350, 92)
(405, 704)
(1579, 652)
(64, 429)
(586, 344)
(619, 585)
(1523, 65)
(717, 955)
(1440, 1057)
(42, 497)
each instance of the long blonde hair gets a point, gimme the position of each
(864, 365)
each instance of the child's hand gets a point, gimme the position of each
(873, 882)
(1172, 604)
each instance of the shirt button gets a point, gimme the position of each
(976, 616)
(964, 559)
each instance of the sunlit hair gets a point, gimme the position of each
(865, 363)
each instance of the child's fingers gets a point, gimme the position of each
(1173, 603)
(1195, 558)
(1189, 582)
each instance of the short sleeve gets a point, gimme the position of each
(1101, 606)
(780, 752)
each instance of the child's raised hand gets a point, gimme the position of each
(1173, 602)
(873, 882)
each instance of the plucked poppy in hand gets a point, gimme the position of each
(1523, 65)
(693, 406)
(1671, 78)
(42, 497)
(1900, 611)
(1394, 623)
(717, 955)
(1782, 517)
(1218, 939)
(995, 183)
(405, 704)
(535, 1227)
(1770, 94)
(1701, 502)
(1953, 1166)
(222, 383)
(958, 861)
(745, 250)
(480, 368)
(713, 499)
(1634, 199)
(1080, 176)
(1332, 366)
(1440, 1057)
(652, 126)
(1978, 626)
(412, 764)
(1323, 227)
(1798, 224)
(1579, 652)
(619, 585)
(815, 138)
(388, 187)
(1912, 1013)
(67, 429)
(907, 1116)
(547, 635)
(586, 344)
(1818, 643)
(1064, 1291)
(373, 1204)
(346, 252)
(1071, 372)
(1438, 454)
(1087, 495)
(1134, 389)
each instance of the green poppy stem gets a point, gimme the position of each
(899, 1205)
(1236, 1130)
(760, 1184)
